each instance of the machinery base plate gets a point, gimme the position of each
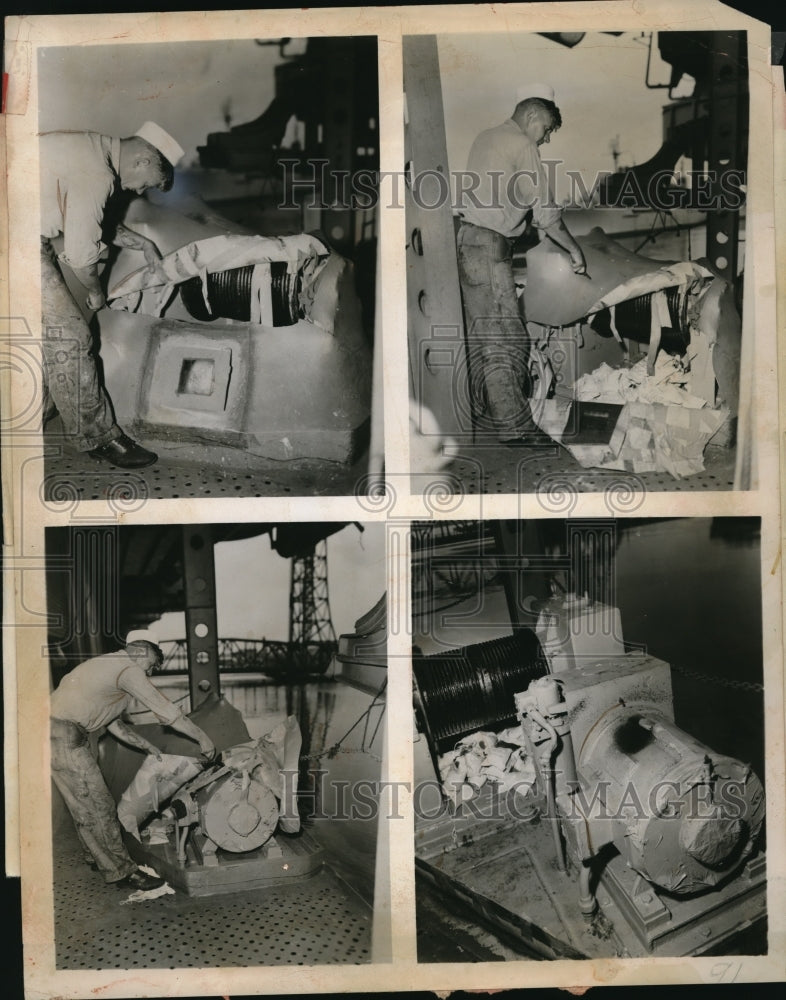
(652, 923)
(301, 857)
(504, 872)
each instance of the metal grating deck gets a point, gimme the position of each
(323, 919)
(555, 476)
(70, 476)
(551, 473)
(316, 921)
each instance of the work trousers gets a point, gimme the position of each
(76, 774)
(498, 347)
(71, 377)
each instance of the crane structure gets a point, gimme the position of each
(104, 583)
(312, 638)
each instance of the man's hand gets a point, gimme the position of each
(126, 735)
(209, 752)
(559, 233)
(125, 237)
(95, 301)
(153, 259)
(152, 253)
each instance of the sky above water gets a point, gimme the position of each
(252, 585)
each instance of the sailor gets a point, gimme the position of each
(509, 185)
(89, 699)
(81, 174)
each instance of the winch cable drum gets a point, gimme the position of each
(229, 294)
(473, 687)
(632, 319)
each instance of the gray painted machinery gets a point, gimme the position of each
(632, 839)
(218, 828)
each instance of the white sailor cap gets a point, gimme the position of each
(542, 90)
(162, 141)
(141, 634)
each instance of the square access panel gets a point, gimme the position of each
(195, 379)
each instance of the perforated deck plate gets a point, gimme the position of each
(72, 476)
(312, 922)
(554, 476)
(296, 858)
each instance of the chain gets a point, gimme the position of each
(365, 742)
(720, 681)
(335, 751)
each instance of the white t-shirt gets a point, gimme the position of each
(511, 181)
(99, 690)
(78, 176)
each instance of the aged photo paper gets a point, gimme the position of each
(391, 499)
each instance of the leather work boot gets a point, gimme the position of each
(124, 453)
(140, 880)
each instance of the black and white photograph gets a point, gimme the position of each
(576, 259)
(217, 714)
(207, 288)
(391, 499)
(589, 758)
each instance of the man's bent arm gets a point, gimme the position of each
(187, 728)
(182, 725)
(88, 276)
(125, 237)
(562, 236)
(127, 735)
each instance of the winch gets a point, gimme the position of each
(621, 835)
(623, 774)
(222, 826)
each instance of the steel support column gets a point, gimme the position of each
(199, 575)
(728, 124)
(435, 323)
(339, 134)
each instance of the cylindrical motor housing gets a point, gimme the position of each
(682, 815)
(237, 813)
